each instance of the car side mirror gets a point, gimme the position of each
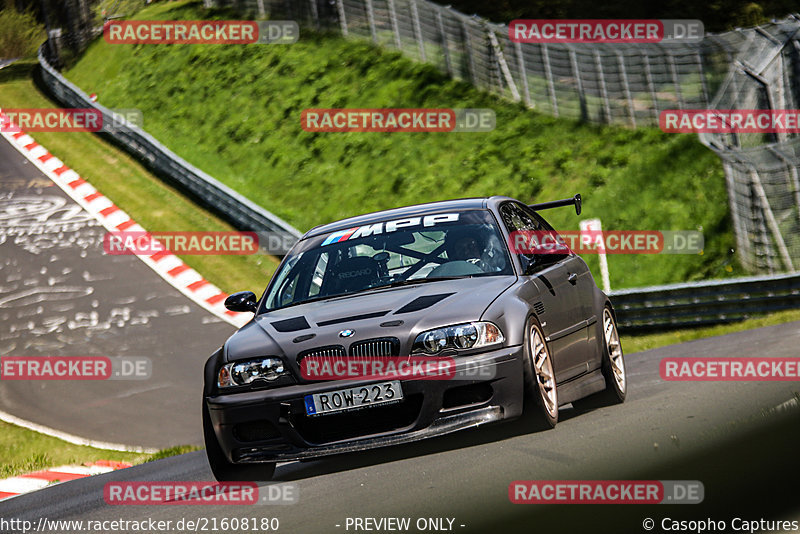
(528, 264)
(243, 301)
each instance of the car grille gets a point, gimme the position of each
(332, 351)
(368, 348)
(384, 346)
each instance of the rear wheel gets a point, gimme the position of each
(613, 368)
(223, 470)
(540, 380)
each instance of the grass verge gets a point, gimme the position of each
(23, 451)
(143, 196)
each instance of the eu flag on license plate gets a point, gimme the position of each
(310, 408)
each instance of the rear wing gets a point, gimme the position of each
(576, 200)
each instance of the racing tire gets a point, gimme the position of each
(225, 471)
(613, 368)
(540, 379)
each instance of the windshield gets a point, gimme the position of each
(393, 252)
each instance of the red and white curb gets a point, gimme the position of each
(11, 487)
(167, 265)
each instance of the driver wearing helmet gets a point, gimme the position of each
(470, 251)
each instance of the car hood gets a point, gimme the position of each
(400, 312)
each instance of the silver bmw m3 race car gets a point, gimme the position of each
(404, 324)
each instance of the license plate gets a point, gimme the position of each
(353, 398)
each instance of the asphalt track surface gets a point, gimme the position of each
(60, 295)
(725, 434)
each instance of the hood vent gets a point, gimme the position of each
(420, 303)
(352, 318)
(291, 325)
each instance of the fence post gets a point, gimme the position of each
(602, 82)
(648, 76)
(703, 85)
(548, 74)
(342, 19)
(624, 73)
(676, 81)
(584, 110)
(395, 28)
(445, 47)
(371, 18)
(418, 30)
(314, 13)
(473, 76)
(794, 175)
(523, 73)
(503, 65)
(742, 244)
(771, 222)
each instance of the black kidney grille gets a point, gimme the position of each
(383, 346)
(331, 351)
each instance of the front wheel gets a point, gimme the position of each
(540, 380)
(223, 470)
(613, 368)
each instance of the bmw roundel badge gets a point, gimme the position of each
(347, 333)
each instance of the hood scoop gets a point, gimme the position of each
(352, 318)
(420, 303)
(291, 325)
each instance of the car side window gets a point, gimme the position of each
(517, 219)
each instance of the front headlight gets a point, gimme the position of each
(461, 336)
(245, 372)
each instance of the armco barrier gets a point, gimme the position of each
(229, 205)
(704, 303)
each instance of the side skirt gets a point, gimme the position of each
(579, 388)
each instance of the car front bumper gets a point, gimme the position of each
(271, 425)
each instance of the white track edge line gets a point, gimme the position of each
(71, 438)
